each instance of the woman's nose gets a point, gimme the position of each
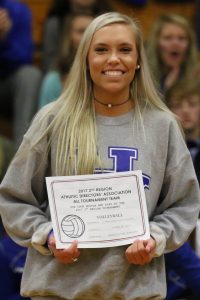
(113, 58)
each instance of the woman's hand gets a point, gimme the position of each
(172, 77)
(141, 252)
(5, 22)
(65, 256)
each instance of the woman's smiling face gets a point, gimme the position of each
(112, 60)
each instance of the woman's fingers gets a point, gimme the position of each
(67, 255)
(141, 252)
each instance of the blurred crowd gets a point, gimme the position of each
(173, 54)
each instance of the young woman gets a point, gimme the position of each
(54, 80)
(52, 84)
(172, 50)
(109, 117)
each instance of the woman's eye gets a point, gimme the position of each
(182, 38)
(167, 38)
(100, 49)
(126, 49)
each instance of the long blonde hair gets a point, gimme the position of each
(74, 124)
(153, 51)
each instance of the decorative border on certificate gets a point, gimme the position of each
(100, 210)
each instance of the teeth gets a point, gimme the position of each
(113, 73)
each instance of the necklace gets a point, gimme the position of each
(109, 105)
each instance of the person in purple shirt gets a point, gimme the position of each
(12, 260)
(19, 79)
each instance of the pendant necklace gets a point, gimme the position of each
(109, 105)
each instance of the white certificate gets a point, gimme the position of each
(100, 210)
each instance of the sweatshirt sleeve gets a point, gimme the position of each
(179, 203)
(23, 199)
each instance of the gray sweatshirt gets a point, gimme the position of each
(173, 203)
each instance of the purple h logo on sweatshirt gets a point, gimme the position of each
(123, 160)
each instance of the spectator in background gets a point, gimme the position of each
(53, 82)
(183, 265)
(184, 101)
(172, 50)
(173, 55)
(12, 260)
(54, 24)
(183, 273)
(12, 256)
(19, 79)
